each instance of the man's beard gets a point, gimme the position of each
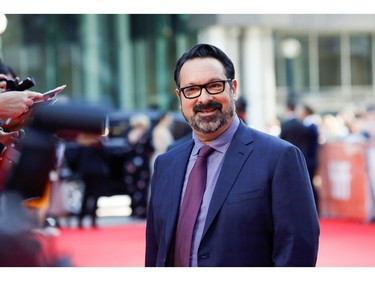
(210, 124)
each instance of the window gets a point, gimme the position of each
(360, 59)
(329, 61)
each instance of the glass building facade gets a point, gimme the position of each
(126, 61)
(337, 65)
(121, 61)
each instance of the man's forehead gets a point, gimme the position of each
(201, 69)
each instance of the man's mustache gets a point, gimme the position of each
(211, 105)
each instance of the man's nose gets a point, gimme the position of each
(205, 96)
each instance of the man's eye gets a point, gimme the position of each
(215, 85)
(191, 90)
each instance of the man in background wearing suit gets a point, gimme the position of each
(258, 207)
(298, 129)
(292, 128)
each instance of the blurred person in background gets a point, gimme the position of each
(333, 128)
(94, 170)
(257, 208)
(241, 107)
(162, 136)
(299, 129)
(348, 125)
(137, 170)
(162, 139)
(311, 151)
(292, 128)
(364, 124)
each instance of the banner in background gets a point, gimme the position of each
(345, 190)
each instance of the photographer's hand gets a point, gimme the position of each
(7, 138)
(3, 83)
(13, 104)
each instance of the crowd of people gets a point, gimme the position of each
(349, 125)
(309, 130)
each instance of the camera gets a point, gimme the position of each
(14, 85)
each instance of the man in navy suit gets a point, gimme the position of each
(258, 207)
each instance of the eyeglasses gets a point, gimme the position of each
(213, 88)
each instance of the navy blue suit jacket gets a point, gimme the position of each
(262, 211)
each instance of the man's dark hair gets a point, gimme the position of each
(308, 109)
(205, 51)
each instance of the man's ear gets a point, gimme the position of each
(234, 89)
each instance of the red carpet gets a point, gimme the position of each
(346, 243)
(105, 246)
(342, 244)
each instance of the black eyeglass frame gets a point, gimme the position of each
(201, 86)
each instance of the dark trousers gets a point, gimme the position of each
(95, 187)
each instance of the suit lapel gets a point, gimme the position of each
(238, 152)
(178, 167)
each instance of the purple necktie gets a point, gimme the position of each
(190, 208)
